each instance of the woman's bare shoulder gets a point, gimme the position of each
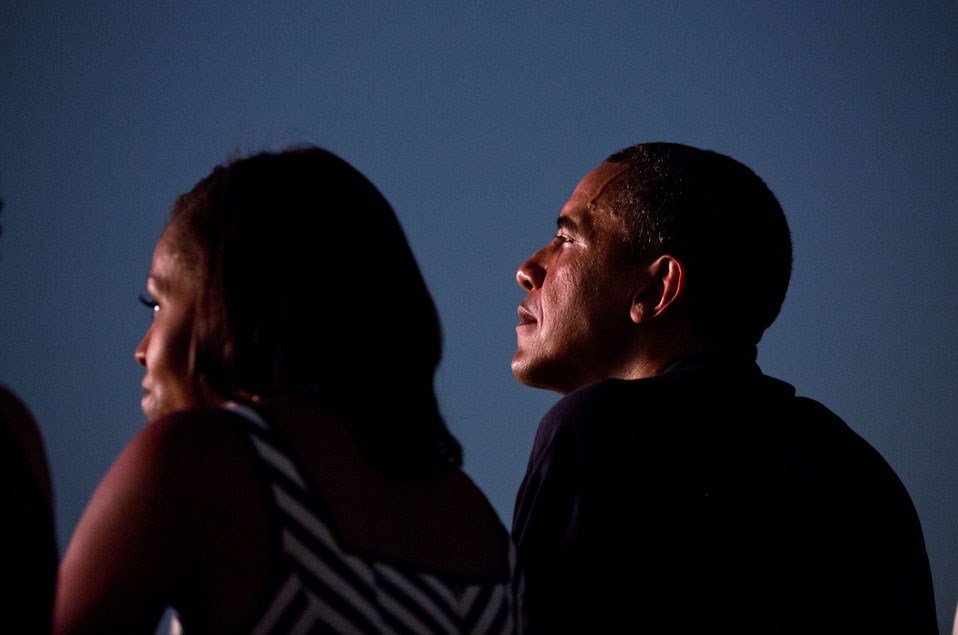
(190, 439)
(165, 470)
(150, 536)
(193, 461)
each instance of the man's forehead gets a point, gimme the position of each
(581, 209)
(597, 182)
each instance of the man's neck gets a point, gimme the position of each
(662, 350)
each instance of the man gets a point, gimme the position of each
(675, 488)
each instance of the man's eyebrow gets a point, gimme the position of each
(566, 223)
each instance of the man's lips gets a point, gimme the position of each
(526, 316)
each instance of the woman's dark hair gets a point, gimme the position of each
(309, 287)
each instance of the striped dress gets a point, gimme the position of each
(329, 589)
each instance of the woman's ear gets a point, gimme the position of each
(664, 283)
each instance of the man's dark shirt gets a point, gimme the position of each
(710, 499)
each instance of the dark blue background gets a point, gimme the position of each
(476, 122)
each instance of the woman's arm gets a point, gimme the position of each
(131, 545)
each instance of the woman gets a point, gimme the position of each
(296, 474)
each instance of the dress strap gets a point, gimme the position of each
(247, 413)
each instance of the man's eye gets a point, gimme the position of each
(149, 303)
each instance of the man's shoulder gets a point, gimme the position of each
(579, 411)
(596, 396)
(671, 394)
(605, 412)
(705, 403)
(610, 395)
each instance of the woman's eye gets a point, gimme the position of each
(149, 303)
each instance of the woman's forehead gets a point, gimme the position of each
(174, 259)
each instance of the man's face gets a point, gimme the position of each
(574, 321)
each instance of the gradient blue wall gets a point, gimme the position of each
(476, 122)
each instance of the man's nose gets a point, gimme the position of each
(531, 273)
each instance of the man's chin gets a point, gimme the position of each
(533, 374)
(520, 368)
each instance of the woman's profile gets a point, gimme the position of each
(296, 474)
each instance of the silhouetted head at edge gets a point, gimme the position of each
(307, 286)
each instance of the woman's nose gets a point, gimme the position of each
(140, 353)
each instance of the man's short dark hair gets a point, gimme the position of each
(722, 222)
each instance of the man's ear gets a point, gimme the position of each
(664, 283)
